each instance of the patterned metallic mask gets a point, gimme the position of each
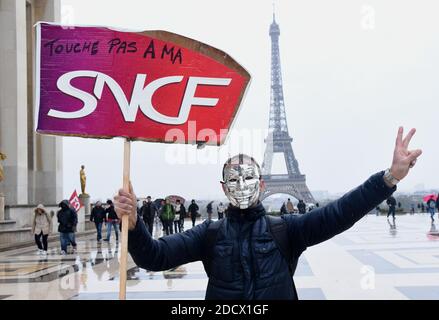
(242, 176)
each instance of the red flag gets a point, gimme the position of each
(75, 202)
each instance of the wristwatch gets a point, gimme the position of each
(391, 180)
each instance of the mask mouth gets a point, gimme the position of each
(242, 197)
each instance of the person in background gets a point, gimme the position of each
(437, 202)
(183, 215)
(412, 208)
(301, 206)
(67, 220)
(148, 212)
(193, 209)
(422, 208)
(98, 217)
(168, 214)
(289, 206)
(112, 221)
(209, 210)
(378, 210)
(220, 210)
(180, 213)
(41, 228)
(283, 209)
(159, 213)
(391, 202)
(431, 205)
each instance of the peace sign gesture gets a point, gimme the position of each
(403, 159)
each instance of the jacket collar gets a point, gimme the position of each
(250, 214)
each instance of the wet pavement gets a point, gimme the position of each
(376, 259)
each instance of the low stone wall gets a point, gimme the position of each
(18, 224)
(15, 235)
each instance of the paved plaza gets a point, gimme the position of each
(375, 259)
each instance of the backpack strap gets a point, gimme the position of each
(278, 229)
(211, 237)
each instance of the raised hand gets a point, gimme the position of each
(125, 203)
(403, 158)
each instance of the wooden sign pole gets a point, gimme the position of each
(125, 222)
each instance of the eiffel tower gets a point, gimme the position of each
(279, 140)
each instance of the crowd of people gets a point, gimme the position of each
(301, 208)
(173, 215)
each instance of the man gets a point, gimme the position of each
(220, 210)
(244, 261)
(168, 215)
(67, 220)
(112, 221)
(148, 212)
(98, 216)
(283, 209)
(180, 214)
(193, 209)
(412, 208)
(209, 210)
(301, 206)
(290, 206)
(391, 202)
(431, 204)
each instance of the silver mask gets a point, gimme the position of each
(241, 176)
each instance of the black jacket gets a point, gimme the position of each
(391, 202)
(301, 206)
(148, 212)
(246, 261)
(193, 208)
(111, 213)
(98, 215)
(67, 218)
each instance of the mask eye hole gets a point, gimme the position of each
(249, 178)
(233, 180)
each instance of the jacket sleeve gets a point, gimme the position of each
(49, 221)
(324, 223)
(34, 222)
(92, 215)
(167, 252)
(74, 217)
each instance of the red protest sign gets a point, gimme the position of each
(153, 85)
(74, 201)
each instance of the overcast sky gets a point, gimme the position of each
(353, 71)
